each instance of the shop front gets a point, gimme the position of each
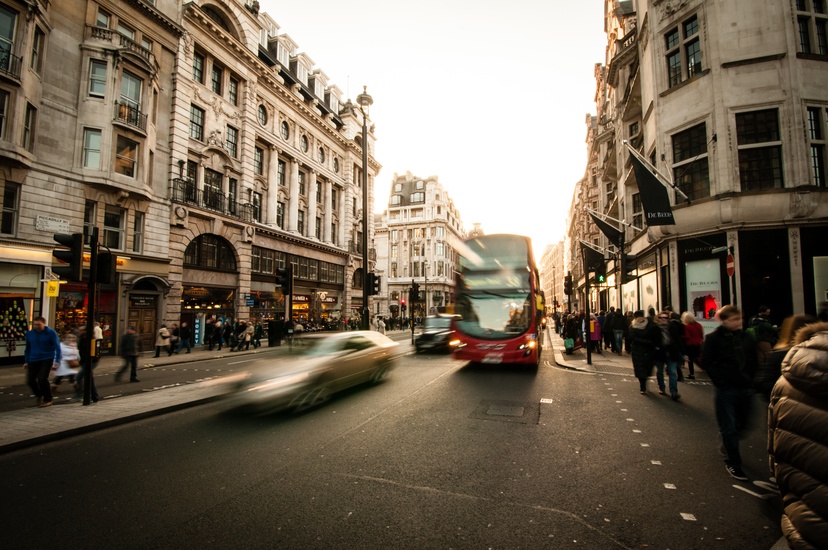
(200, 303)
(71, 312)
(19, 303)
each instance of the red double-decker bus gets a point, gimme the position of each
(499, 302)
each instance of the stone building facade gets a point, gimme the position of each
(416, 241)
(205, 148)
(731, 105)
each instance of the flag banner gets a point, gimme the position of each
(592, 258)
(654, 198)
(614, 235)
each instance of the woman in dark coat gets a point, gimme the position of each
(643, 337)
(798, 438)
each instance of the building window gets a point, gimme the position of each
(8, 22)
(131, 90)
(213, 197)
(11, 198)
(113, 228)
(92, 148)
(262, 113)
(232, 142)
(216, 79)
(29, 127)
(319, 191)
(419, 196)
(302, 183)
(233, 91)
(102, 20)
(262, 260)
(280, 172)
(138, 232)
(638, 211)
(97, 78)
(300, 222)
(812, 22)
(123, 30)
(210, 251)
(690, 169)
(4, 106)
(303, 142)
(257, 206)
(333, 199)
(683, 45)
(198, 68)
(760, 150)
(90, 210)
(336, 165)
(126, 156)
(232, 195)
(280, 215)
(395, 199)
(321, 155)
(817, 117)
(37, 49)
(285, 129)
(196, 123)
(334, 238)
(258, 161)
(318, 230)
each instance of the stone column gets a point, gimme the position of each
(310, 230)
(293, 207)
(272, 186)
(326, 212)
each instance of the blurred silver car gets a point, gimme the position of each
(325, 366)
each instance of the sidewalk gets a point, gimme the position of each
(606, 362)
(32, 425)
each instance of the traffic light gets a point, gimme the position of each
(568, 285)
(376, 284)
(601, 273)
(107, 268)
(415, 292)
(284, 279)
(73, 256)
(628, 268)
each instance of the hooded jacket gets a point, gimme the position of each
(798, 438)
(644, 338)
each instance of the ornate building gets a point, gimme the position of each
(416, 242)
(206, 149)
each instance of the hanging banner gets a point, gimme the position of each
(654, 198)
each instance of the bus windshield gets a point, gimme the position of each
(491, 315)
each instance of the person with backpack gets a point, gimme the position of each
(763, 332)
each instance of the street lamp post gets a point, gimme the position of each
(425, 274)
(364, 101)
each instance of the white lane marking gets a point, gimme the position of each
(669, 486)
(655, 462)
(757, 495)
(546, 400)
(241, 362)
(636, 431)
(687, 517)
(645, 444)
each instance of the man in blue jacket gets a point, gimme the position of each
(42, 353)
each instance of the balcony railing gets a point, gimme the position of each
(10, 65)
(187, 192)
(118, 40)
(134, 47)
(129, 114)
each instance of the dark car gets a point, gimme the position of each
(436, 335)
(326, 365)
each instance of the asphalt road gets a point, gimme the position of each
(440, 455)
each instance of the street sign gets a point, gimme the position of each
(731, 265)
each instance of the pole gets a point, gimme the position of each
(623, 273)
(425, 274)
(365, 312)
(91, 287)
(411, 298)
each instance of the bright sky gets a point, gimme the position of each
(490, 96)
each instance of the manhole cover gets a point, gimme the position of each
(508, 411)
(505, 410)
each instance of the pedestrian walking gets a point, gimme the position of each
(41, 355)
(228, 332)
(670, 353)
(692, 337)
(162, 338)
(798, 438)
(69, 361)
(175, 338)
(729, 356)
(215, 338)
(249, 330)
(84, 349)
(185, 335)
(258, 332)
(594, 330)
(130, 347)
(643, 338)
(619, 326)
(763, 332)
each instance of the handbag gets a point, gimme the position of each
(569, 343)
(73, 363)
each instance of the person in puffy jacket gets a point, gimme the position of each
(798, 438)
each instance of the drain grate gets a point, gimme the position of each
(508, 411)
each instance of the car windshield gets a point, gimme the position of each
(438, 322)
(494, 315)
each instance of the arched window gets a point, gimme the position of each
(358, 279)
(210, 252)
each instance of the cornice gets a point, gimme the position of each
(153, 13)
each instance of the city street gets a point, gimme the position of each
(440, 455)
